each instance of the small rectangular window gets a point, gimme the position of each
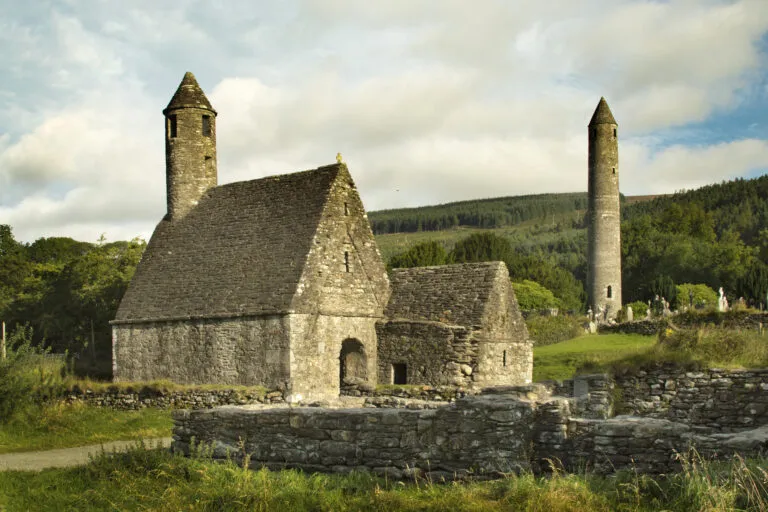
(346, 209)
(504, 359)
(610, 292)
(614, 133)
(206, 126)
(346, 261)
(399, 373)
(172, 126)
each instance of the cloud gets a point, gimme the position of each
(688, 167)
(428, 101)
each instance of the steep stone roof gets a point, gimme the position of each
(452, 294)
(602, 114)
(189, 95)
(240, 251)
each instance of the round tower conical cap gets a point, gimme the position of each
(189, 95)
(602, 114)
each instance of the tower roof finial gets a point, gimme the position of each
(189, 95)
(602, 114)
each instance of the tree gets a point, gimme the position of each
(753, 285)
(421, 255)
(532, 296)
(665, 288)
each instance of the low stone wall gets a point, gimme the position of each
(645, 445)
(438, 393)
(502, 430)
(645, 327)
(729, 400)
(731, 320)
(188, 399)
(475, 436)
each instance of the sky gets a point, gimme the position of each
(429, 101)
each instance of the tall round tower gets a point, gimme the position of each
(190, 147)
(603, 215)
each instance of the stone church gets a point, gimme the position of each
(279, 282)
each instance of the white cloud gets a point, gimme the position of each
(683, 167)
(428, 101)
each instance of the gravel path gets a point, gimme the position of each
(65, 457)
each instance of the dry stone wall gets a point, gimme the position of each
(728, 400)
(503, 429)
(485, 435)
(187, 399)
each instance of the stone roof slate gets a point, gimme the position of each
(189, 95)
(602, 114)
(452, 294)
(240, 251)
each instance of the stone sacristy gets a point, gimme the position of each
(278, 282)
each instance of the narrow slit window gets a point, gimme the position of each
(614, 133)
(504, 358)
(172, 126)
(346, 208)
(610, 292)
(614, 170)
(346, 261)
(206, 126)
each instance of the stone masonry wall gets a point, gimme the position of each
(316, 342)
(484, 435)
(188, 399)
(239, 351)
(434, 353)
(729, 400)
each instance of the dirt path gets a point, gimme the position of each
(65, 457)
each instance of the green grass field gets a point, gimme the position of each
(560, 360)
(63, 426)
(158, 481)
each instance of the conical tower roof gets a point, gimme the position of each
(602, 114)
(189, 95)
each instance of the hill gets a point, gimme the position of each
(715, 235)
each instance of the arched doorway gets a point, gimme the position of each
(352, 363)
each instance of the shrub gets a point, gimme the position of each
(28, 376)
(546, 330)
(531, 296)
(639, 309)
(703, 296)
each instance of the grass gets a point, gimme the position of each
(61, 426)
(71, 383)
(561, 360)
(156, 480)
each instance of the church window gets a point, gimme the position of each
(346, 260)
(172, 126)
(610, 292)
(614, 170)
(399, 373)
(346, 208)
(614, 133)
(206, 126)
(504, 358)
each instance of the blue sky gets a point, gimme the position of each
(428, 101)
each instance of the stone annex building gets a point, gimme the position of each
(279, 282)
